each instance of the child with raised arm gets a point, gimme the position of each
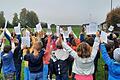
(8, 66)
(83, 65)
(35, 61)
(113, 64)
(17, 53)
(60, 61)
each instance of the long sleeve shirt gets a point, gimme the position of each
(83, 66)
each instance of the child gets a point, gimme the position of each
(113, 64)
(17, 53)
(83, 66)
(35, 61)
(18, 57)
(7, 60)
(60, 61)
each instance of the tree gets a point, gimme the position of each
(15, 20)
(113, 18)
(28, 18)
(32, 19)
(23, 17)
(2, 19)
(9, 25)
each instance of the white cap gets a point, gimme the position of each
(116, 54)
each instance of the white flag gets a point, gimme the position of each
(103, 36)
(38, 27)
(111, 28)
(48, 26)
(57, 30)
(5, 24)
(92, 28)
(118, 25)
(17, 29)
(69, 29)
(27, 33)
(26, 41)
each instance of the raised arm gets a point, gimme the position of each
(105, 55)
(95, 48)
(19, 44)
(3, 44)
(46, 57)
(7, 36)
(69, 49)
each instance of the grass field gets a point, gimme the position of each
(100, 73)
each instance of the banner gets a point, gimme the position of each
(17, 29)
(38, 27)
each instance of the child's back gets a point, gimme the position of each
(7, 62)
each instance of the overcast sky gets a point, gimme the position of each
(61, 11)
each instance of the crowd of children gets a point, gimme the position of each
(51, 55)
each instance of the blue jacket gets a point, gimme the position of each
(113, 66)
(17, 52)
(7, 62)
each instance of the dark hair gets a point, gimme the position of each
(118, 41)
(7, 48)
(13, 34)
(44, 41)
(110, 47)
(59, 46)
(90, 41)
(73, 43)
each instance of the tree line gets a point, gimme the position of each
(26, 19)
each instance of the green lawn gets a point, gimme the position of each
(100, 72)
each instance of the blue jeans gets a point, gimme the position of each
(62, 77)
(26, 73)
(36, 76)
(45, 72)
(18, 71)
